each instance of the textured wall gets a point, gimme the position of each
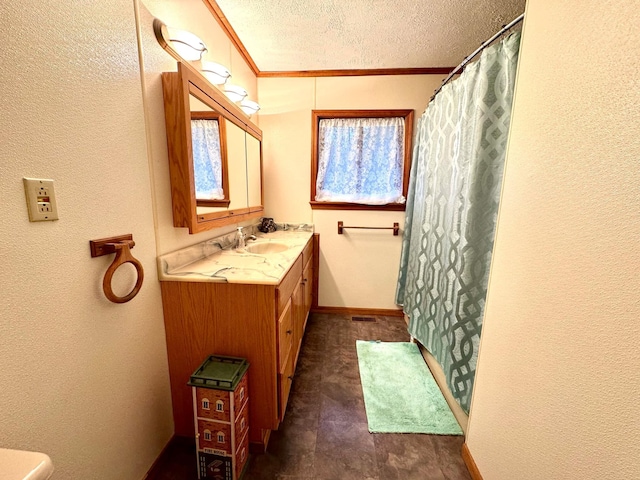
(557, 383)
(360, 268)
(82, 379)
(286, 123)
(191, 15)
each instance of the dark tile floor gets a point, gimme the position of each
(324, 435)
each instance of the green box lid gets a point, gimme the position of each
(219, 372)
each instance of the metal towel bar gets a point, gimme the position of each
(395, 228)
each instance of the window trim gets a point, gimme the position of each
(318, 115)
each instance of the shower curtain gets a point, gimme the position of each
(451, 213)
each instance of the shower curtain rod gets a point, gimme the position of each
(484, 45)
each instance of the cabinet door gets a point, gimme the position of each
(285, 380)
(298, 302)
(286, 335)
(307, 279)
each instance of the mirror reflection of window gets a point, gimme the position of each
(207, 158)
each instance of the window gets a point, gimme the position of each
(219, 406)
(205, 404)
(210, 170)
(361, 159)
(207, 435)
(220, 437)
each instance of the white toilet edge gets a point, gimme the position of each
(24, 465)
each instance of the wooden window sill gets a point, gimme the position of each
(213, 203)
(396, 207)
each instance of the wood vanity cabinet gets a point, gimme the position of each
(262, 323)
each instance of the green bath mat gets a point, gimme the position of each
(400, 394)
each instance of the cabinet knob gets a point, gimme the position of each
(289, 332)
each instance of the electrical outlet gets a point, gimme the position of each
(41, 199)
(44, 207)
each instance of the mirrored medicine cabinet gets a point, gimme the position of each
(215, 154)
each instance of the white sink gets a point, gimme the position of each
(266, 248)
(20, 465)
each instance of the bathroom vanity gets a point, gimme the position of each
(251, 303)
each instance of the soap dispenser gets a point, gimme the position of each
(240, 238)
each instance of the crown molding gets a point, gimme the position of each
(231, 33)
(358, 72)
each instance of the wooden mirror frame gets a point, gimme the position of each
(177, 86)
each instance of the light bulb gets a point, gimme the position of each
(235, 93)
(249, 107)
(215, 73)
(187, 45)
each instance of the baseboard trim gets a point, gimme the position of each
(383, 312)
(470, 463)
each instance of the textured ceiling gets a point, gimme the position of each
(285, 35)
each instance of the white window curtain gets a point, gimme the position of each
(360, 160)
(207, 160)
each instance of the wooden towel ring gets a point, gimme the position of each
(123, 255)
(121, 246)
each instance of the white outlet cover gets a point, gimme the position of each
(41, 199)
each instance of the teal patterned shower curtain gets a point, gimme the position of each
(452, 207)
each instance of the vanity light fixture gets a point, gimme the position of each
(215, 73)
(249, 106)
(185, 44)
(235, 93)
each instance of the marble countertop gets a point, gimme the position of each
(216, 261)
